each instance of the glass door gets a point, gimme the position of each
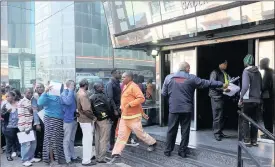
(190, 56)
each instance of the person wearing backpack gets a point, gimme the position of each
(102, 112)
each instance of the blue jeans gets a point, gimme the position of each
(68, 142)
(28, 150)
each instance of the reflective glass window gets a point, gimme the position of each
(179, 28)
(171, 9)
(257, 11)
(224, 18)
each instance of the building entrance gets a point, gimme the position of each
(207, 60)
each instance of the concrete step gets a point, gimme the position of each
(199, 157)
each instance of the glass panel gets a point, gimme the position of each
(146, 12)
(224, 18)
(189, 56)
(266, 50)
(257, 11)
(171, 9)
(179, 28)
(150, 34)
(203, 5)
(125, 40)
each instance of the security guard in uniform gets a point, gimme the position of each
(218, 99)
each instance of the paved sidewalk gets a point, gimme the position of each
(17, 162)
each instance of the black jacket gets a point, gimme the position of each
(217, 75)
(100, 106)
(267, 88)
(113, 93)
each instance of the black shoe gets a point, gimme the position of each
(224, 136)
(93, 158)
(89, 164)
(9, 158)
(218, 137)
(247, 143)
(76, 160)
(115, 159)
(182, 154)
(152, 147)
(102, 162)
(167, 154)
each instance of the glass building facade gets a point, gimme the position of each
(17, 44)
(73, 41)
(124, 16)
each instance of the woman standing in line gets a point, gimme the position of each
(53, 152)
(9, 114)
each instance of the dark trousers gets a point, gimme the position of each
(113, 131)
(40, 139)
(250, 132)
(268, 114)
(174, 120)
(12, 143)
(218, 115)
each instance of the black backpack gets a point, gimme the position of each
(100, 106)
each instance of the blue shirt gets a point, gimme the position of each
(180, 88)
(68, 102)
(13, 119)
(35, 112)
(52, 105)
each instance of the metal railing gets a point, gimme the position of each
(242, 146)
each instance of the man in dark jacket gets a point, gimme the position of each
(218, 99)
(101, 108)
(180, 88)
(250, 98)
(113, 93)
(267, 95)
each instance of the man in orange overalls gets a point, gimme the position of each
(131, 116)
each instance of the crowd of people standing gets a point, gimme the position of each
(103, 116)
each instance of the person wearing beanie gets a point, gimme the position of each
(218, 99)
(250, 98)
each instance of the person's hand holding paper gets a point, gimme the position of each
(233, 89)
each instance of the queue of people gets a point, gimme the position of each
(110, 114)
(103, 116)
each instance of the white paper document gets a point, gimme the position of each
(23, 137)
(41, 115)
(233, 90)
(56, 87)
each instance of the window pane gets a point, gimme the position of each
(179, 28)
(257, 11)
(224, 18)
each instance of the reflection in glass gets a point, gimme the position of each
(224, 18)
(171, 9)
(150, 34)
(146, 12)
(266, 50)
(204, 5)
(179, 28)
(55, 47)
(17, 44)
(257, 11)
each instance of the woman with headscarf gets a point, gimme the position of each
(9, 114)
(53, 152)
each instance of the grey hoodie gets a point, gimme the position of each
(251, 85)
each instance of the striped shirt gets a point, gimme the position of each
(24, 115)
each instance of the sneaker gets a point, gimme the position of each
(35, 160)
(89, 164)
(115, 159)
(152, 147)
(27, 163)
(77, 160)
(13, 154)
(255, 144)
(247, 143)
(132, 143)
